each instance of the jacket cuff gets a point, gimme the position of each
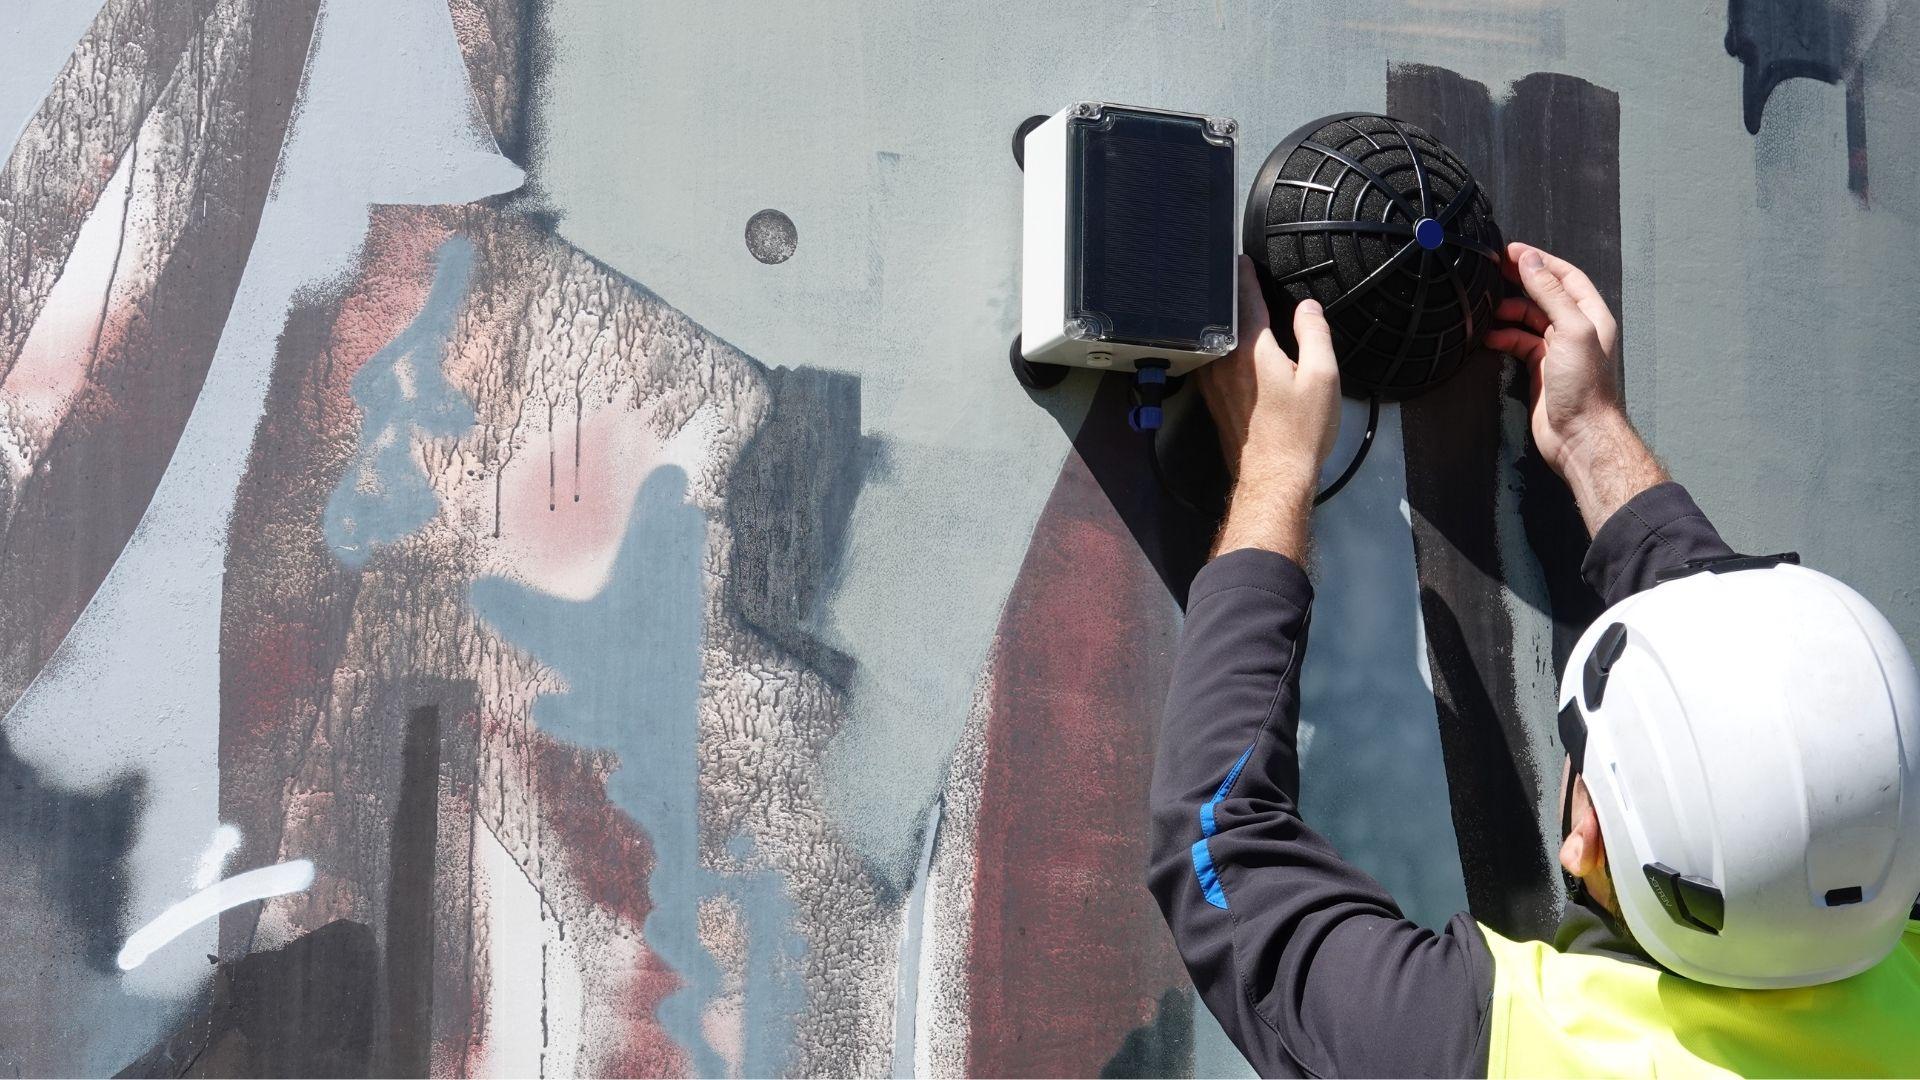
(1252, 568)
(1659, 528)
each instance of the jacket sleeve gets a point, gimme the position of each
(1306, 961)
(1657, 529)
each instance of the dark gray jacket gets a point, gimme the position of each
(1305, 960)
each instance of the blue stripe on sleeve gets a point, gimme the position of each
(1209, 881)
(1207, 827)
(1202, 858)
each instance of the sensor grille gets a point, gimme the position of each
(1386, 228)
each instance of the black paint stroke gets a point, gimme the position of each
(1560, 149)
(75, 845)
(790, 498)
(1857, 132)
(1550, 156)
(1777, 40)
(305, 1009)
(410, 899)
(532, 62)
(1452, 446)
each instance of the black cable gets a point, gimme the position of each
(1360, 455)
(1168, 489)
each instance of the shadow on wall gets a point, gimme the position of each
(1175, 538)
(304, 1009)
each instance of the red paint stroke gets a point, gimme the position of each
(610, 860)
(1068, 952)
(280, 633)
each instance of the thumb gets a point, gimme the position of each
(1545, 287)
(1315, 340)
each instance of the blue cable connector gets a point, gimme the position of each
(1150, 384)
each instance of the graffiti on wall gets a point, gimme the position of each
(478, 602)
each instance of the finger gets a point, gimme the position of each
(1510, 266)
(1582, 289)
(1546, 289)
(1574, 280)
(1515, 341)
(1254, 318)
(1519, 309)
(1257, 341)
(1315, 339)
(1223, 378)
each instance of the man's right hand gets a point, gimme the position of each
(1565, 335)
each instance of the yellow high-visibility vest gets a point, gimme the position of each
(1565, 1014)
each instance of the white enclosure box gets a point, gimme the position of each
(1129, 228)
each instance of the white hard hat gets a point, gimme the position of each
(1749, 731)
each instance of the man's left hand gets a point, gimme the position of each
(1278, 418)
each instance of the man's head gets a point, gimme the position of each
(1743, 785)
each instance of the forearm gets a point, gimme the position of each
(1270, 512)
(1606, 465)
(1641, 521)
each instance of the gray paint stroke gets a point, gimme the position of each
(40, 35)
(631, 658)
(403, 395)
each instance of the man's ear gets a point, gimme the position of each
(1581, 853)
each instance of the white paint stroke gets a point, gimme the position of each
(268, 881)
(213, 861)
(906, 1002)
(51, 370)
(536, 997)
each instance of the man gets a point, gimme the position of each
(1741, 804)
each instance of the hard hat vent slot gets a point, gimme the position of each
(1852, 894)
(1613, 641)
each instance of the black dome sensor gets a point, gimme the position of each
(1386, 228)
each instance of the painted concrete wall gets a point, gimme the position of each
(520, 552)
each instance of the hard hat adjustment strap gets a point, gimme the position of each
(1688, 900)
(1573, 736)
(1725, 564)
